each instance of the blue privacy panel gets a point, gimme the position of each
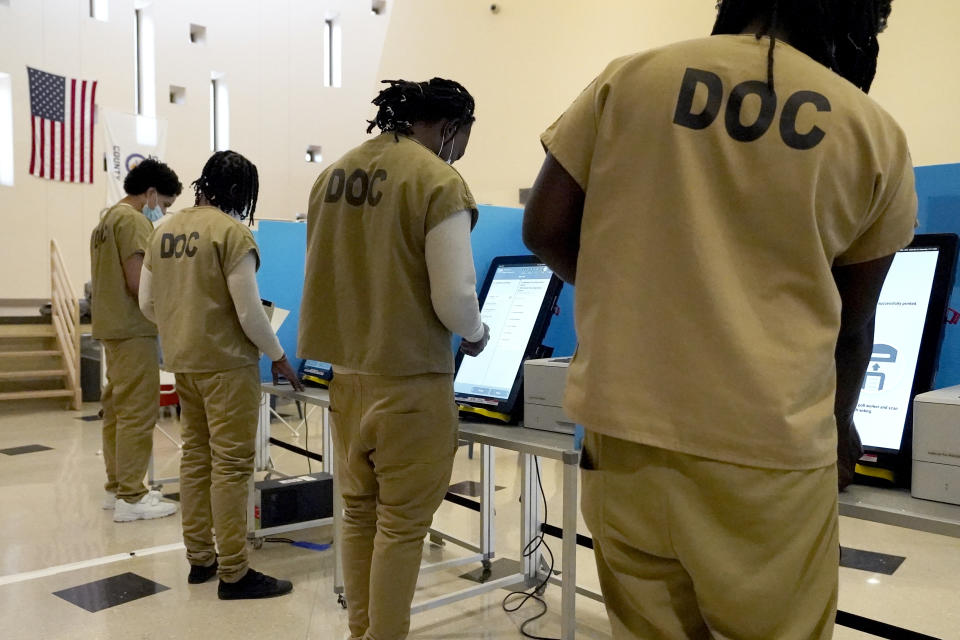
(938, 190)
(283, 253)
(498, 233)
(283, 247)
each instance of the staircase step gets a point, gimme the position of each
(27, 331)
(29, 395)
(37, 353)
(34, 319)
(32, 375)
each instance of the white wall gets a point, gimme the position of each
(527, 63)
(524, 65)
(271, 55)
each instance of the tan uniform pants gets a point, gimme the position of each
(219, 413)
(688, 547)
(394, 443)
(130, 406)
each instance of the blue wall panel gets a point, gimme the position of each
(282, 246)
(282, 257)
(938, 190)
(498, 233)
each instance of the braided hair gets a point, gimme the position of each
(229, 182)
(839, 34)
(405, 103)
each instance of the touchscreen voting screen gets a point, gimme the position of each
(516, 303)
(899, 339)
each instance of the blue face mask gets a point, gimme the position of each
(153, 213)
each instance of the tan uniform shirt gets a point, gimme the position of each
(189, 258)
(122, 233)
(706, 309)
(366, 296)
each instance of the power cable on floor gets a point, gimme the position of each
(532, 593)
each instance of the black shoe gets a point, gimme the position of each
(253, 585)
(199, 574)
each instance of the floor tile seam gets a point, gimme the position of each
(86, 564)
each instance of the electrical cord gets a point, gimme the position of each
(531, 594)
(313, 546)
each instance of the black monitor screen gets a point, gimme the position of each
(516, 302)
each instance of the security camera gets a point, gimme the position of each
(494, 8)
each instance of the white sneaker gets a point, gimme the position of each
(149, 507)
(109, 498)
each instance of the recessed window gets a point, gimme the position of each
(198, 34)
(100, 10)
(6, 130)
(331, 47)
(314, 153)
(378, 7)
(145, 61)
(219, 113)
(178, 95)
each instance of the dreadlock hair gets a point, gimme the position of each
(229, 182)
(404, 103)
(839, 34)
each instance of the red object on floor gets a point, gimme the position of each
(168, 395)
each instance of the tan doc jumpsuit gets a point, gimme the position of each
(366, 308)
(707, 317)
(130, 399)
(218, 380)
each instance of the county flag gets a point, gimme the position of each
(61, 111)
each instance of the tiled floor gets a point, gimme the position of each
(54, 536)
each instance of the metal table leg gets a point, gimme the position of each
(327, 464)
(568, 588)
(530, 516)
(487, 489)
(262, 458)
(328, 467)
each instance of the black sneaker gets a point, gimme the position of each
(253, 585)
(200, 574)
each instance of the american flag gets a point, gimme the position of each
(62, 125)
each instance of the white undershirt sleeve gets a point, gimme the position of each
(146, 295)
(242, 283)
(453, 281)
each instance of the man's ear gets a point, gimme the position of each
(450, 129)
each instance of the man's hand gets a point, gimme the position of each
(476, 348)
(282, 367)
(849, 451)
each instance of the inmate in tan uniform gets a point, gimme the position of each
(218, 380)
(131, 396)
(707, 317)
(366, 307)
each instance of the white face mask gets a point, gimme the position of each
(453, 144)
